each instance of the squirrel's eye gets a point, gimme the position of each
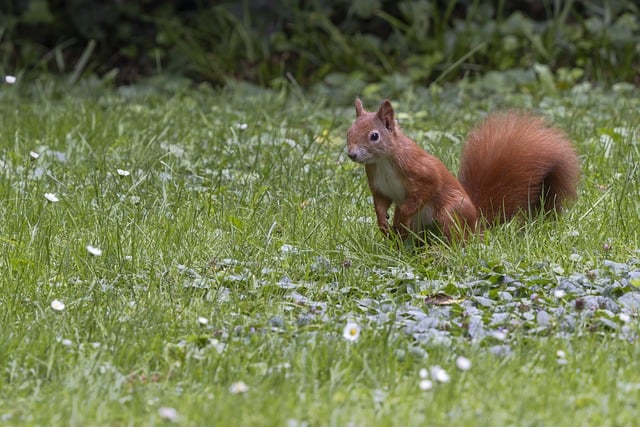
(374, 136)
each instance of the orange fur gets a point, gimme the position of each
(512, 160)
(510, 163)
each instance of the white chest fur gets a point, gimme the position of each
(387, 181)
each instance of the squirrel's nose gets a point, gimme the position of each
(352, 156)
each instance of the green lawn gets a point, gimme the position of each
(192, 256)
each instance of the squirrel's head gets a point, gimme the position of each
(371, 134)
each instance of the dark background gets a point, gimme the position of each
(263, 42)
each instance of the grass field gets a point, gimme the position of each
(191, 256)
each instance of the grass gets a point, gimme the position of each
(239, 240)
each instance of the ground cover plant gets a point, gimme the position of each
(194, 256)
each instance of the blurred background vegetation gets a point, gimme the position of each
(326, 42)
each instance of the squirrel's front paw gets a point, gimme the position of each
(400, 231)
(384, 227)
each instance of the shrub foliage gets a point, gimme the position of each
(265, 41)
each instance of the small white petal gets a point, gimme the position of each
(624, 317)
(463, 363)
(575, 257)
(57, 305)
(123, 172)
(94, 251)
(239, 387)
(66, 342)
(242, 126)
(499, 335)
(287, 248)
(560, 354)
(424, 373)
(426, 385)
(203, 320)
(51, 197)
(169, 414)
(439, 374)
(559, 293)
(34, 155)
(622, 131)
(351, 331)
(10, 79)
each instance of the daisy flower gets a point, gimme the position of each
(559, 293)
(439, 374)
(57, 305)
(51, 197)
(94, 251)
(351, 331)
(239, 387)
(463, 363)
(167, 413)
(425, 385)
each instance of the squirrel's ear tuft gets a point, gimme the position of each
(359, 108)
(385, 113)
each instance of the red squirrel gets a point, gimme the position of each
(512, 162)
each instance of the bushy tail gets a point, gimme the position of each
(516, 162)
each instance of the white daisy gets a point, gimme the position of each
(575, 257)
(51, 197)
(94, 251)
(167, 413)
(426, 385)
(239, 387)
(439, 374)
(123, 172)
(287, 248)
(351, 331)
(463, 363)
(559, 293)
(10, 79)
(34, 155)
(57, 305)
(499, 335)
(203, 320)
